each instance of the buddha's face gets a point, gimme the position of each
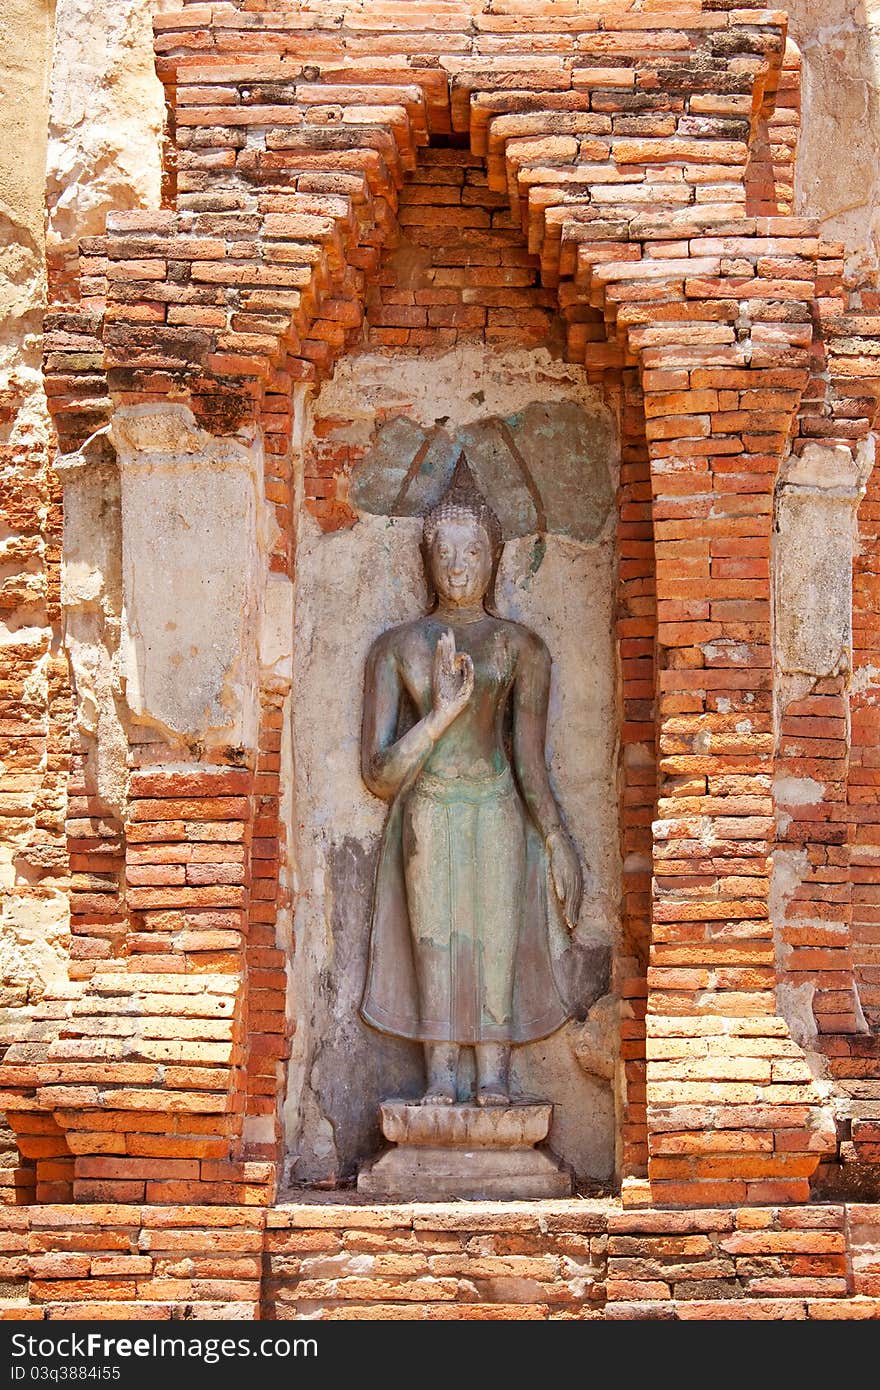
(460, 560)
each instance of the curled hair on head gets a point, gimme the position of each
(463, 501)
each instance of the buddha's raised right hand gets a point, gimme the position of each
(452, 682)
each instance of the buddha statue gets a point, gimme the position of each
(454, 727)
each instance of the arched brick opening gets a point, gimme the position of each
(249, 288)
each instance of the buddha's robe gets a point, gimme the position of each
(459, 946)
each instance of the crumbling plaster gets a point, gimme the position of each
(34, 932)
(815, 535)
(815, 538)
(195, 541)
(839, 42)
(91, 595)
(106, 117)
(25, 33)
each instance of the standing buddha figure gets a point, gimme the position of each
(454, 729)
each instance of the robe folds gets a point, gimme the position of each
(459, 943)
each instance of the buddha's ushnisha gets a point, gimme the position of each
(459, 949)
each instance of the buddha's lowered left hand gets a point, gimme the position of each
(565, 870)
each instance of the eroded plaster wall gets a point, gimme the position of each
(33, 908)
(80, 125)
(815, 538)
(25, 36)
(838, 174)
(106, 118)
(353, 584)
(81, 114)
(33, 917)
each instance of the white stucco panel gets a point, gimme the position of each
(194, 573)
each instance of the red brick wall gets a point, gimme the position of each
(623, 177)
(476, 1261)
(472, 275)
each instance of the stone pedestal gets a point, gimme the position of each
(443, 1152)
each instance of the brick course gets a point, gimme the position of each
(541, 1261)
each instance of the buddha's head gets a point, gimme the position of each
(461, 542)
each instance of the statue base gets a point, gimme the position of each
(465, 1152)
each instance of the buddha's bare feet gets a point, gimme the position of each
(441, 1065)
(493, 1070)
(438, 1095)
